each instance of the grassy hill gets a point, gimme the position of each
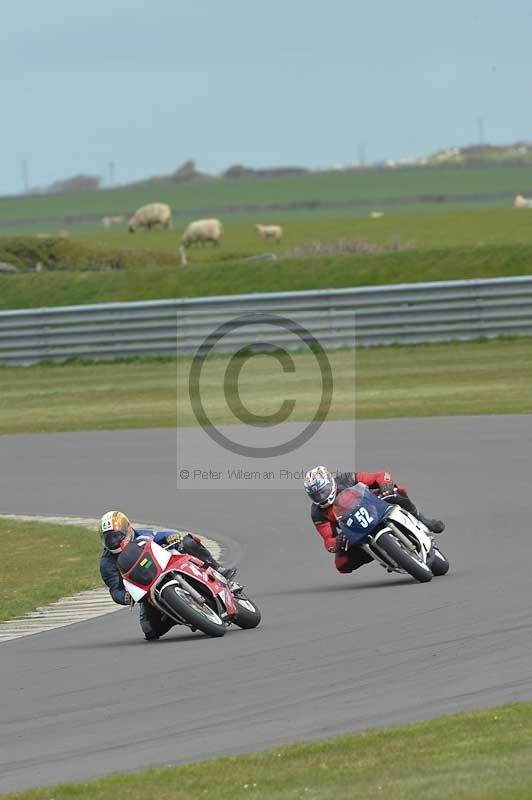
(311, 196)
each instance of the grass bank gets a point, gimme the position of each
(61, 288)
(489, 377)
(481, 756)
(313, 255)
(67, 562)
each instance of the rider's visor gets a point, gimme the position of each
(116, 541)
(321, 494)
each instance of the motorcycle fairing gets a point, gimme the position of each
(136, 592)
(409, 524)
(142, 570)
(186, 569)
(216, 583)
(359, 512)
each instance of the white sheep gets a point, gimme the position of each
(108, 221)
(202, 231)
(151, 216)
(270, 232)
(522, 202)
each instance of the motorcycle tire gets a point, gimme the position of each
(437, 562)
(417, 569)
(202, 617)
(248, 615)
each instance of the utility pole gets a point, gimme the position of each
(362, 154)
(480, 123)
(111, 166)
(25, 178)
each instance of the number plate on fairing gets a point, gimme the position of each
(359, 512)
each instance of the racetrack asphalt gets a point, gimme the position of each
(333, 654)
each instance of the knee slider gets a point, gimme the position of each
(342, 564)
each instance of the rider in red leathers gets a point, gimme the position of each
(322, 487)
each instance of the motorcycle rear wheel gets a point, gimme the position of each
(417, 569)
(248, 615)
(199, 616)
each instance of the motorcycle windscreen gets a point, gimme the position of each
(358, 512)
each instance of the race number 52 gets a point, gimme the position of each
(363, 517)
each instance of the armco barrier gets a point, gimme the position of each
(404, 313)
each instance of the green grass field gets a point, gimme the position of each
(68, 563)
(410, 248)
(485, 755)
(428, 231)
(426, 380)
(321, 193)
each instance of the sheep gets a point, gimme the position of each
(108, 221)
(270, 232)
(203, 230)
(151, 216)
(522, 202)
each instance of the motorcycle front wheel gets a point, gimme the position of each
(437, 562)
(405, 560)
(248, 615)
(200, 616)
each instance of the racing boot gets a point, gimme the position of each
(191, 543)
(434, 525)
(228, 572)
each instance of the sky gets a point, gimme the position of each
(149, 85)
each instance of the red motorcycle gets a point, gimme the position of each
(182, 587)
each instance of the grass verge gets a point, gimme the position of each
(487, 377)
(67, 563)
(480, 756)
(407, 249)
(61, 288)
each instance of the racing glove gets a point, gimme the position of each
(341, 542)
(128, 600)
(387, 489)
(174, 539)
(330, 544)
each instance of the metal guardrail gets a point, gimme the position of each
(404, 313)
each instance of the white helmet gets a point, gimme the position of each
(116, 531)
(320, 485)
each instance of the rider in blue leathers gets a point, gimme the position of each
(117, 531)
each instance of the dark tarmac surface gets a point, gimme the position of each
(333, 654)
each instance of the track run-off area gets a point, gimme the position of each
(333, 654)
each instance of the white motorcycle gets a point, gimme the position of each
(388, 533)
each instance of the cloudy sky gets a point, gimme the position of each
(149, 85)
